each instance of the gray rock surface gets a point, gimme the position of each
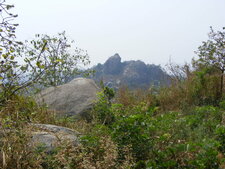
(47, 136)
(73, 98)
(113, 65)
(134, 74)
(135, 71)
(51, 136)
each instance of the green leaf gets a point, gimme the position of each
(23, 68)
(58, 60)
(38, 64)
(4, 56)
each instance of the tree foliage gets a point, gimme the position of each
(45, 60)
(212, 54)
(52, 59)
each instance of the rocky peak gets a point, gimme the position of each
(132, 73)
(113, 65)
(115, 59)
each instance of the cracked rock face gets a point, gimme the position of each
(73, 98)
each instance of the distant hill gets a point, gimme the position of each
(134, 74)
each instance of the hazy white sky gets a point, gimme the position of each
(147, 30)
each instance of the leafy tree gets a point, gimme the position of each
(212, 54)
(7, 28)
(8, 46)
(46, 60)
(54, 57)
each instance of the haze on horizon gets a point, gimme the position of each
(149, 30)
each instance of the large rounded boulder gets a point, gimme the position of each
(74, 98)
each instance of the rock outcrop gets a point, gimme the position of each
(50, 136)
(73, 98)
(113, 65)
(134, 74)
(45, 136)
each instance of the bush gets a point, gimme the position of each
(102, 112)
(134, 131)
(222, 104)
(220, 135)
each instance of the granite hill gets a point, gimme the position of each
(134, 74)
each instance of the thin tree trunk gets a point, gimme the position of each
(221, 84)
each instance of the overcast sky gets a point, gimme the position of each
(147, 30)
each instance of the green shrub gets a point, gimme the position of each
(134, 131)
(205, 118)
(102, 110)
(205, 155)
(220, 135)
(222, 104)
